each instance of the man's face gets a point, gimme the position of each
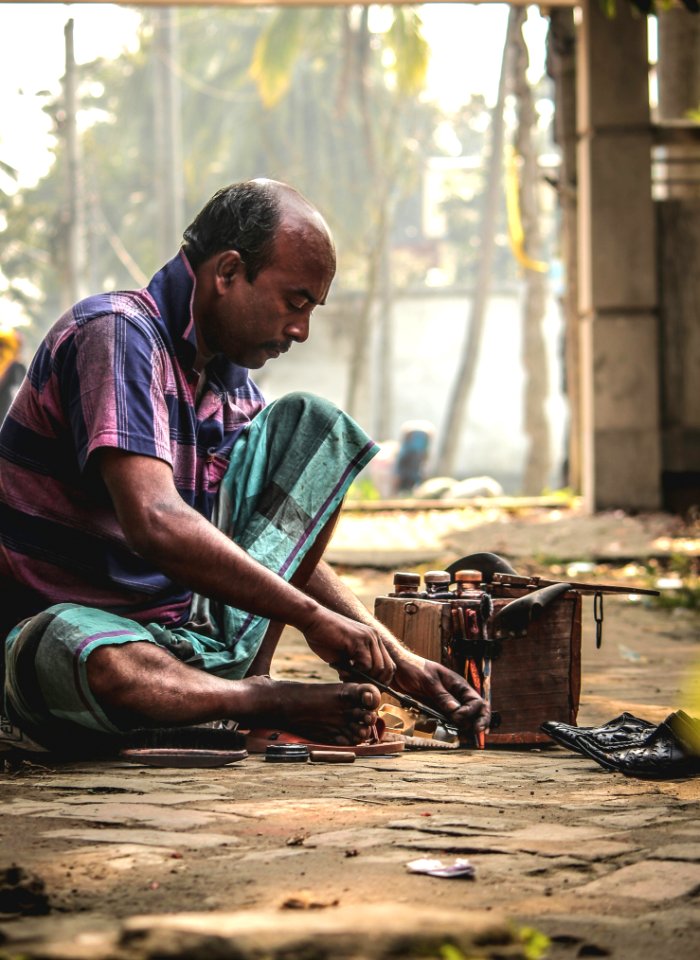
(251, 323)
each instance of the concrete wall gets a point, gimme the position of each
(617, 280)
(679, 284)
(428, 335)
(677, 189)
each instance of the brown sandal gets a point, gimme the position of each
(181, 756)
(258, 740)
(416, 732)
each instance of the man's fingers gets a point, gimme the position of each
(385, 667)
(342, 641)
(476, 713)
(373, 658)
(364, 655)
(462, 703)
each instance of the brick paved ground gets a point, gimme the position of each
(310, 861)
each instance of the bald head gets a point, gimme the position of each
(248, 217)
(264, 260)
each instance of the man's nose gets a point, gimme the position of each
(298, 328)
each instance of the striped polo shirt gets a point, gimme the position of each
(115, 371)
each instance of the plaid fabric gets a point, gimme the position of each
(288, 473)
(115, 371)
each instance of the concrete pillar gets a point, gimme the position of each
(677, 195)
(617, 264)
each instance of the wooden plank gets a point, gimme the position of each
(294, 3)
(413, 505)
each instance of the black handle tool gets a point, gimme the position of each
(410, 703)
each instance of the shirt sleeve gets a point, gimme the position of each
(118, 396)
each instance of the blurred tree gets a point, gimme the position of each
(391, 64)
(9, 172)
(118, 233)
(466, 191)
(528, 243)
(352, 152)
(561, 67)
(466, 371)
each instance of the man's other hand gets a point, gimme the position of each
(444, 690)
(339, 639)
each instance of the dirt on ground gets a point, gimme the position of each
(110, 859)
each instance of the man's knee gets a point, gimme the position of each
(47, 664)
(41, 686)
(23, 686)
(298, 405)
(299, 425)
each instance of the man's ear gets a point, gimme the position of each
(228, 265)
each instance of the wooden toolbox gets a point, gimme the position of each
(534, 676)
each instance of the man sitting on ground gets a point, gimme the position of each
(159, 524)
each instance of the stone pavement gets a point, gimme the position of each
(605, 866)
(309, 861)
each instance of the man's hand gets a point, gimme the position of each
(429, 682)
(339, 639)
(442, 689)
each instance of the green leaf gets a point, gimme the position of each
(276, 52)
(410, 49)
(535, 943)
(6, 168)
(449, 952)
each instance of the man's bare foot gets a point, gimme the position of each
(140, 685)
(340, 713)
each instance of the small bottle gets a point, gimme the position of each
(406, 585)
(467, 580)
(469, 588)
(437, 584)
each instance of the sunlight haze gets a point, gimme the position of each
(466, 43)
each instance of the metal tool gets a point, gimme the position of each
(535, 583)
(410, 703)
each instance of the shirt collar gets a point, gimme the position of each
(172, 288)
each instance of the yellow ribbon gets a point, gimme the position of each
(9, 348)
(515, 224)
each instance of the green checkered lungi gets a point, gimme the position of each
(288, 473)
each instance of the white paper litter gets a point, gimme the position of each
(436, 868)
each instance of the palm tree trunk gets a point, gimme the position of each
(75, 219)
(168, 168)
(534, 351)
(385, 346)
(452, 431)
(357, 376)
(561, 66)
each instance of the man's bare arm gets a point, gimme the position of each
(163, 529)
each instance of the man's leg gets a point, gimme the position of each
(281, 496)
(79, 676)
(141, 685)
(287, 477)
(279, 500)
(263, 659)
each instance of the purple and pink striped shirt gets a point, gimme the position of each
(115, 371)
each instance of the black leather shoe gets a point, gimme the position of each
(625, 730)
(669, 752)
